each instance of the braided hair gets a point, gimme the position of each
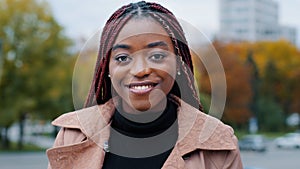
(100, 90)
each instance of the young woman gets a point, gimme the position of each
(143, 110)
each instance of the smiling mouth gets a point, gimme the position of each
(141, 88)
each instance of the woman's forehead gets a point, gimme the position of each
(139, 26)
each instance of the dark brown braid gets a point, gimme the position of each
(100, 90)
(184, 52)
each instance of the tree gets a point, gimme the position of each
(274, 69)
(238, 83)
(270, 114)
(279, 64)
(254, 83)
(36, 63)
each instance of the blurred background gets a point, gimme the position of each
(257, 42)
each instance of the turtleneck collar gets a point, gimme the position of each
(144, 128)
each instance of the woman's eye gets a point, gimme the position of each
(122, 58)
(157, 57)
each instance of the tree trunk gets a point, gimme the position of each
(5, 139)
(21, 134)
(55, 131)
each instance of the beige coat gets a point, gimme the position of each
(80, 142)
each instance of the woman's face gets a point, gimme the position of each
(142, 65)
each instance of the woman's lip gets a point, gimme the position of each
(141, 87)
(141, 91)
(144, 83)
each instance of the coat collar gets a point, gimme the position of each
(196, 129)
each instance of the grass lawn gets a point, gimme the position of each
(26, 148)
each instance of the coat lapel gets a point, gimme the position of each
(174, 161)
(200, 131)
(196, 131)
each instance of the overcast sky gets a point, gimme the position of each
(83, 18)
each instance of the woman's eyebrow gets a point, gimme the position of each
(157, 44)
(150, 45)
(121, 46)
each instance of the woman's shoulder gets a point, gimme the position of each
(70, 119)
(206, 131)
(84, 116)
(217, 135)
(214, 124)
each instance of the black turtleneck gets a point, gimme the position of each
(141, 145)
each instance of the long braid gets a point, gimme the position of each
(171, 20)
(185, 52)
(100, 90)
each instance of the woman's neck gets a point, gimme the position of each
(148, 114)
(139, 125)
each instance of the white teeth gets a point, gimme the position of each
(141, 87)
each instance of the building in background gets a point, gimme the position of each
(252, 20)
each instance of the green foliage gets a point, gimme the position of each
(270, 115)
(205, 101)
(37, 67)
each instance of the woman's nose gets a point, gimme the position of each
(140, 68)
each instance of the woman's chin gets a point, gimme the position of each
(138, 107)
(143, 106)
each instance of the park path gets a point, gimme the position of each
(23, 160)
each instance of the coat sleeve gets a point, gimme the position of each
(233, 158)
